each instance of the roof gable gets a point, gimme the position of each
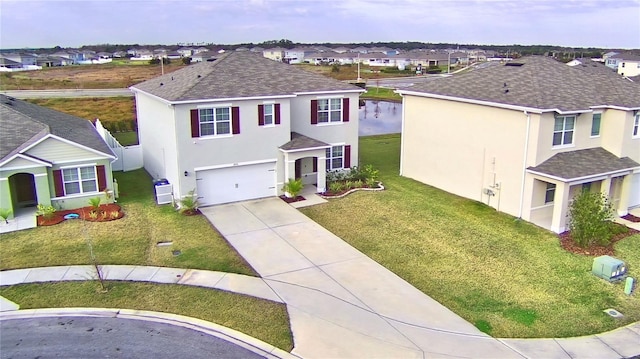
(238, 75)
(586, 163)
(23, 124)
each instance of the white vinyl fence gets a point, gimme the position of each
(129, 157)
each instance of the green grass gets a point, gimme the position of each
(107, 109)
(126, 138)
(509, 277)
(381, 93)
(259, 318)
(130, 240)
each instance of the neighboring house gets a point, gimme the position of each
(51, 158)
(610, 62)
(240, 127)
(204, 56)
(629, 66)
(22, 57)
(296, 55)
(525, 137)
(9, 65)
(274, 53)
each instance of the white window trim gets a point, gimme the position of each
(215, 135)
(328, 111)
(573, 136)
(273, 114)
(330, 158)
(599, 129)
(80, 180)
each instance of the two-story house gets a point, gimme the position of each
(526, 136)
(238, 128)
(629, 66)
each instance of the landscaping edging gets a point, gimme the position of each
(380, 188)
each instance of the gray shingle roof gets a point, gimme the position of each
(23, 123)
(584, 163)
(301, 142)
(540, 83)
(238, 74)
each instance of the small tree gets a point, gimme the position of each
(186, 60)
(293, 187)
(590, 215)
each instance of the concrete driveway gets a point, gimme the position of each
(342, 303)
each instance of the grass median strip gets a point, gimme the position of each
(509, 277)
(130, 240)
(259, 318)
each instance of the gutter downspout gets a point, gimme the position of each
(524, 163)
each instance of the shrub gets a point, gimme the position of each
(186, 60)
(293, 187)
(336, 187)
(95, 203)
(590, 215)
(45, 211)
(189, 203)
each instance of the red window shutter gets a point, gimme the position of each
(276, 109)
(314, 112)
(260, 115)
(347, 156)
(315, 164)
(57, 183)
(345, 109)
(102, 178)
(235, 120)
(195, 124)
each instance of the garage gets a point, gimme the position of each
(236, 183)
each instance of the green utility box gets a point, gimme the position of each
(609, 268)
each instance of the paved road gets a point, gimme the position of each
(22, 94)
(87, 337)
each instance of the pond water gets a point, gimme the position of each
(380, 117)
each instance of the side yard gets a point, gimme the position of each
(508, 277)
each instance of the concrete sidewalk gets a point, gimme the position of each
(343, 304)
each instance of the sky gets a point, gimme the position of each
(570, 23)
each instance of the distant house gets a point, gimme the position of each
(204, 56)
(143, 55)
(238, 128)
(7, 65)
(274, 53)
(23, 58)
(185, 51)
(296, 55)
(629, 66)
(51, 158)
(526, 136)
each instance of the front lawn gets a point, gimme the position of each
(259, 318)
(130, 240)
(509, 277)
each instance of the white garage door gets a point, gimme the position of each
(237, 183)
(634, 201)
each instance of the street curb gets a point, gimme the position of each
(243, 340)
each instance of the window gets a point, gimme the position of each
(550, 193)
(595, 124)
(329, 110)
(268, 114)
(622, 64)
(338, 157)
(586, 187)
(636, 126)
(215, 121)
(79, 180)
(563, 130)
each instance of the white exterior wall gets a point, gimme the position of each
(342, 133)
(254, 143)
(156, 132)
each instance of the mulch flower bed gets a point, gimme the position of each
(292, 199)
(105, 213)
(594, 250)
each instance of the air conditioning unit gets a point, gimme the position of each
(609, 268)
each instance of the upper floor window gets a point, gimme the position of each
(622, 64)
(269, 114)
(329, 110)
(215, 121)
(595, 124)
(636, 126)
(550, 193)
(563, 130)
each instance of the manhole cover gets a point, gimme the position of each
(614, 313)
(176, 253)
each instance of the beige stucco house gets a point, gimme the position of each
(51, 158)
(239, 127)
(526, 136)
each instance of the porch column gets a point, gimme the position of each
(322, 174)
(625, 193)
(289, 167)
(605, 187)
(560, 207)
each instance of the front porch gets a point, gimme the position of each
(305, 158)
